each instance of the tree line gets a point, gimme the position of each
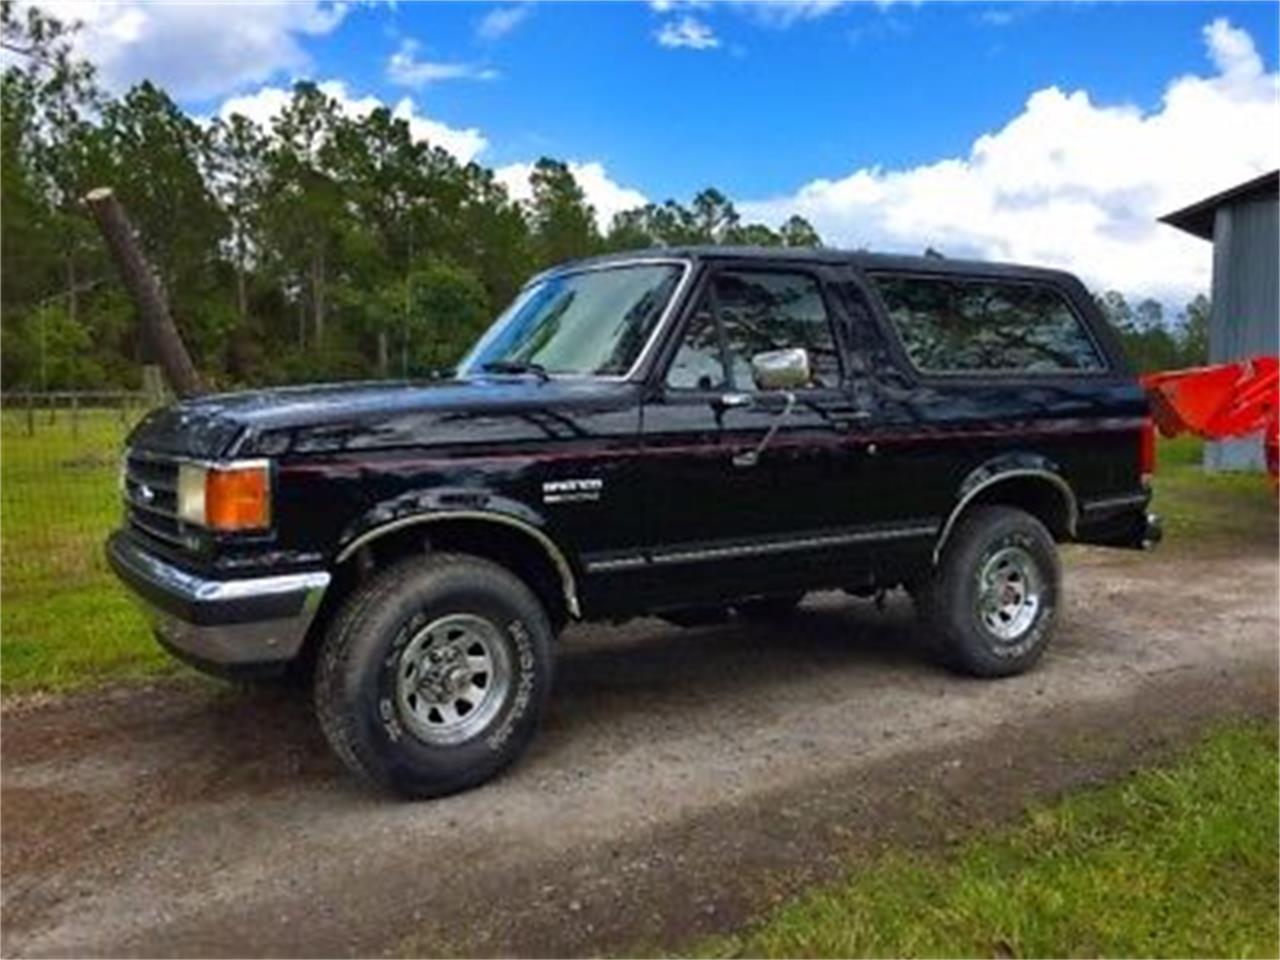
(319, 246)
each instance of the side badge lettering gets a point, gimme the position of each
(582, 490)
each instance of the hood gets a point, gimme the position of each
(341, 416)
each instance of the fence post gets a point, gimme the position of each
(31, 414)
(75, 415)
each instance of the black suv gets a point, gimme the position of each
(679, 432)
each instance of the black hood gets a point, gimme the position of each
(359, 415)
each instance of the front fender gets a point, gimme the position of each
(424, 507)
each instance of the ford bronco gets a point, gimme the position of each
(692, 433)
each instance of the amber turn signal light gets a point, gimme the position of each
(229, 498)
(237, 499)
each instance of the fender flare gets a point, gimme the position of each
(557, 557)
(1000, 470)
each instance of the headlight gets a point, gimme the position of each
(232, 497)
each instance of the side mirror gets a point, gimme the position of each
(781, 369)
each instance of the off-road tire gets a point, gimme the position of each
(356, 674)
(949, 601)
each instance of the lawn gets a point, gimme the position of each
(64, 622)
(1174, 861)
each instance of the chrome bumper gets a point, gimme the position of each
(220, 625)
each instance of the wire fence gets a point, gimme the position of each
(59, 483)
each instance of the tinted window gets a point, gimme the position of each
(956, 326)
(592, 322)
(758, 311)
(699, 364)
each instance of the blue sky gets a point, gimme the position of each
(1048, 133)
(775, 104)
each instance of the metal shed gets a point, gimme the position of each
(1243, 223)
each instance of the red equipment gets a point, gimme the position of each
(1219, 402)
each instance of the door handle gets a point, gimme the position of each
(847, 418)
(732, 401)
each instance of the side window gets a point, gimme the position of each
(699, 364)
(758, 311)
(961, 326)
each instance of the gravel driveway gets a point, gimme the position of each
(684, 778)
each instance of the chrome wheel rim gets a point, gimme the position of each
(452, 679)
(1010, 592)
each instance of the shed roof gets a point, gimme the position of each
(1197, 219)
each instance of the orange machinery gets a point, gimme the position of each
(1220, 402)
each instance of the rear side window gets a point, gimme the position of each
(972, 326)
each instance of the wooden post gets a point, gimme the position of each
(31, 414)
(75, 414)
(140, 281)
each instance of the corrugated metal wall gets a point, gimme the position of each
(1246, 305)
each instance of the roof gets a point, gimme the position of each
(1198, 218)
(898, 263)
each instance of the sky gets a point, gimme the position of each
(1053, 134)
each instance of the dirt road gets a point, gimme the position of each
(684, 778)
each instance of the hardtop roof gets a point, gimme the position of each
(861, 259)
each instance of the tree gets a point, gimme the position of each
(1195, 332)
(564, 224)
(796, 231)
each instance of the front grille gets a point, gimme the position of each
(151, 498)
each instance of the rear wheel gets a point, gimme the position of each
(992, 603)
(434, 676)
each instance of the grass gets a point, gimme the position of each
(64, 620)
(1210, 508)
(1178, 860)
(65, 623)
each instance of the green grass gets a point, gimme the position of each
(1175, 861)
(64, 620)
(1202, 508)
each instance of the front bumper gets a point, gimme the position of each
(221, 626)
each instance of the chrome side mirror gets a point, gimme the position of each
(781, 369)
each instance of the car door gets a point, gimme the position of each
(750, 490)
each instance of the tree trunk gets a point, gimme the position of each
(317, 294)
(383, 358)
(73, 298)
(140, 281)
(242, 286)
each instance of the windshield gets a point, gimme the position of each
(595, 322)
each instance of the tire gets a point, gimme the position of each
(769, 609)
(1005, 629)
(405, 657)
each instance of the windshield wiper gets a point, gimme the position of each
(516, 366)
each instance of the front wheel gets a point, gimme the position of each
(992, 602)
(435, 675)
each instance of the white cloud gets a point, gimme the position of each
(607, 196)
(784, 13)
(666, 6)
(500, 21)
(196, 50)
(262, 106)
(1072, 183)
(687, 32)
(406, 69)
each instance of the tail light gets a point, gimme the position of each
(1147, 450)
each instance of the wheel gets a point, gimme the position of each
(768, 609)
(434, 675)
(993, 600)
